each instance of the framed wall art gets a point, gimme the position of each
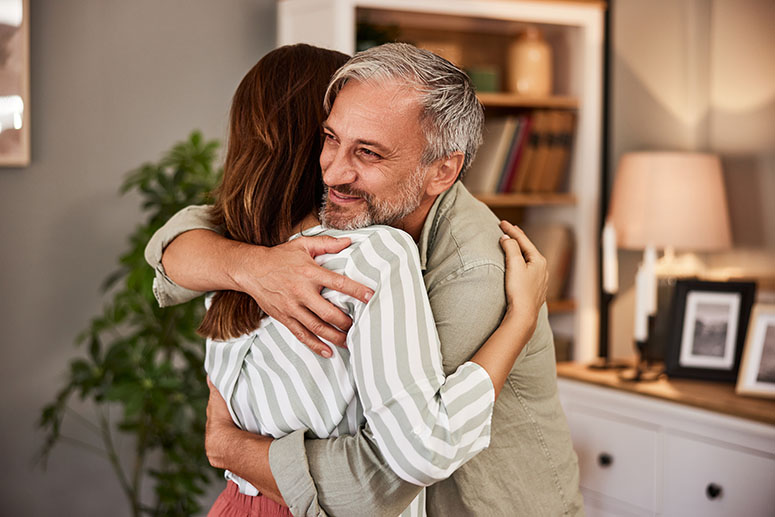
(14, 83)
(708, 328)
(757, 369)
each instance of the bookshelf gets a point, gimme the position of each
(527, 199)
(480, 31)
(510, 100)
(561, 306)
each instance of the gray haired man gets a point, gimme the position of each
(392, 111)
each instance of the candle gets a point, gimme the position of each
(610, 262)
(641, 299)
(650, 268)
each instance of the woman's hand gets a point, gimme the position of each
(527, 278)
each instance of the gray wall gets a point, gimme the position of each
(114, 84)
(699, 75)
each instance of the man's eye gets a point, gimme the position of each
(370, 153)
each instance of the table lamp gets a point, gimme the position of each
(663, 200)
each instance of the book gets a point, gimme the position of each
(521, 144)
(485, 172)
(507, 175)
(527, 162)
(544, 151)
(557, 163)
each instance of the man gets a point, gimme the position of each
(402, 124)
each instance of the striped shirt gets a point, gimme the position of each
(426, 425)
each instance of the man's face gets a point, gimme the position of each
(371, 156)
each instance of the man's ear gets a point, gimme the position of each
(444, 172)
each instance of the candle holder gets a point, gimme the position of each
(645, 368)
(609, 287)
(604, 362)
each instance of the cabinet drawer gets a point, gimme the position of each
(744, 482)
(616, 458)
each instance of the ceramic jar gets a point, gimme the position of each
(530, 64)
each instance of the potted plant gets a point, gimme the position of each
(144, 362)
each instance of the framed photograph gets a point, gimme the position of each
(757, 369)
(708, 328)
(14, 83)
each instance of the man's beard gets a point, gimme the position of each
(377, 211)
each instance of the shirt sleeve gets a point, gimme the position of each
(166, 291)
(425, 424)
(350, 472)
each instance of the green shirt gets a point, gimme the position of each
(529, 468)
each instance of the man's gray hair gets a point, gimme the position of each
(452, 116)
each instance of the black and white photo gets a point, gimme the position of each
(708, 328)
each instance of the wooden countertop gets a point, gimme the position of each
(714, 396)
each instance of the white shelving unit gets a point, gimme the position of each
(575, 31)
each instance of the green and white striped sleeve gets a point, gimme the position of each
(425, 425)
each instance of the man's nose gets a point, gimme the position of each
(337, 166)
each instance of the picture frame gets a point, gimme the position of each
(15, 83)
(708, 328)
(757, 368)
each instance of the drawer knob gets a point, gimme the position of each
(713, 491)
(604, 459)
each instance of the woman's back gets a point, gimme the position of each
(390, 374)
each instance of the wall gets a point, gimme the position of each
(114, 84)
(699, 75)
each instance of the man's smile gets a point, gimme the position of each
(341, 199)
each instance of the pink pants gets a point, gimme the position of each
(233, 504)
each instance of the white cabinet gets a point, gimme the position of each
(483, 28)
(618, 457)
(643, 456)
(716, 479)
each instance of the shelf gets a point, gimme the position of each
(531, 199)
(561, 306)
(513, 100)
(714, 396)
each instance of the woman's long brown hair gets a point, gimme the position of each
(271, 179)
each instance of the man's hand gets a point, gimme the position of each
(243, 453)
(218, 428)
(286, 282)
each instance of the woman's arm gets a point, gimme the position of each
(426, 425)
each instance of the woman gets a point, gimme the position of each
(390, 374)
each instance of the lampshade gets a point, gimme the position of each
(670, 199)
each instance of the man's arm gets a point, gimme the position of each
(360, 477)
(223, 439)
(349, 472)
(167, 292)
(190, 257)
